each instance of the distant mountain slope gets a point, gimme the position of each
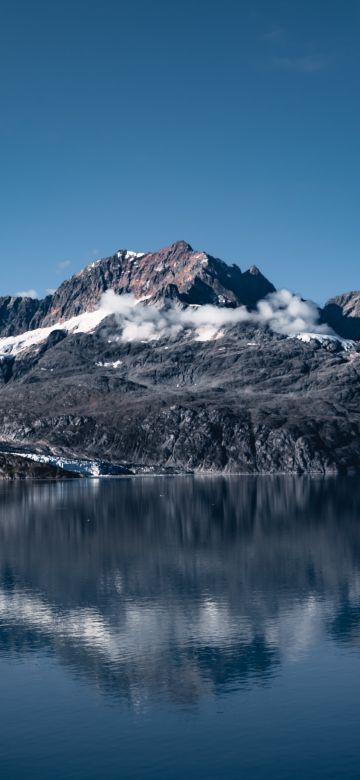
(20, 314)
(248, 402)
(343, 314)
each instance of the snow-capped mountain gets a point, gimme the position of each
(176, 360)
(174, 272)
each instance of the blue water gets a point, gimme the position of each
(180, 628)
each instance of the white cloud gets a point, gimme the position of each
(63, 265)
(27, 294)
(274, 34)
(305, 64)
(50, 290)
(283, 312)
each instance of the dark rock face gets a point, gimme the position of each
(250, 402)
(343, 314)
(18, 315)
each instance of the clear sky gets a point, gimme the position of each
(232, 124)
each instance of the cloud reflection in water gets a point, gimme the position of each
(178, 587)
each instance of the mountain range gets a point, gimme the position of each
(174, 361)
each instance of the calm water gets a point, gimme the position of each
(180, 628)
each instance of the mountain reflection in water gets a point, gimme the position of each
(177, 587)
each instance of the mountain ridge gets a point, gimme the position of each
(174, 273)
(197, 276)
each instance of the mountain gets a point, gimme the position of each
(203, 368)
(176, 272)
(343, 314)
(21, 314)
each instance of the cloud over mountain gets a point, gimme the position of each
(283, 312)
(27, 294)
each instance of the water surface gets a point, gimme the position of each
(180, 627)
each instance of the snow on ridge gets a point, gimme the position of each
(138, 322)
(10, 346)
(129, 255)
(83, 323)
(93, 264)
(322, 338)
(126, 254)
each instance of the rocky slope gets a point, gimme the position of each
(343, 314)
(246, 400)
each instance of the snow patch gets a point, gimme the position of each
(201, 256)
(94, 264)
(322, 338)
(130, 255)
(208, 333)
(83, 323)
(113, 364)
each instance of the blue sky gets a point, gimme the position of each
(232, 124)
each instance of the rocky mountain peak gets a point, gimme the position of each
(176, 272)
(177, 248)
(191, 276)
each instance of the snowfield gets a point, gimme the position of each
(322, 338)
(83, 323)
